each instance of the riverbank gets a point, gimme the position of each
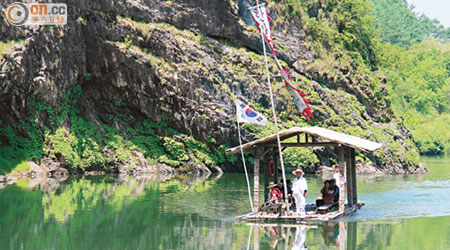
(51, 169)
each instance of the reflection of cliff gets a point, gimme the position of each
(134, 214)
(214, 198)
(62, 202)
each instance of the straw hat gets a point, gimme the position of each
(298, 170)
(272, 184)
(335, 166)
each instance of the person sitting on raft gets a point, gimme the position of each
(289, 189)
(274, 196)
(275, 193)
(334, 190)
(327, 197)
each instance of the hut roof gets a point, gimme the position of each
(326, 135)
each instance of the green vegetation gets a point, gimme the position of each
(398, 24)
(415, 58)
(20, 148)
(343, 35)
(343, 40)
(5, 47)
(342, 28)
(78, 154)
(20, 167)
(81, 21)
(128, 42)
(81, 144)
(347, 27)
(418, 79)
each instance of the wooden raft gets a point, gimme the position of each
(310, 216)
(341, 146)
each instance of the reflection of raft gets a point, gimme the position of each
(340, 145)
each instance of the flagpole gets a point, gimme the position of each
(243, 162)
(275, 120)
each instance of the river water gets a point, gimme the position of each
(185, 212)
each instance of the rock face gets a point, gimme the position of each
(51, 167)
(181, 63)
(138, 165)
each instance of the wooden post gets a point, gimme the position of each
(348, 171)
(256, 238)
(256, 180)
(342, 237)
(266, 179)
(352, 195)
(342, 179)
(353, 167)
(352, 235)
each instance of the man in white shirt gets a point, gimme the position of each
(340, 183)
(299, 189)
(337, 175)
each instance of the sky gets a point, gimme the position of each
(434, 9)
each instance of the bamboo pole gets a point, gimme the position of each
(249, 237)
(245, 167)
(274, 117)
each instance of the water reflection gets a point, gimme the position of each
(109, 212)
(196, 212)
(332, 235)
(62, 199)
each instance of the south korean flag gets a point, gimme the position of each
(247, 114)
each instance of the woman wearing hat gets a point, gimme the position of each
(299, 190)
(274, 197)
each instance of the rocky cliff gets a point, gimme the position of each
(135, 83)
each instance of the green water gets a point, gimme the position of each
(197, 213)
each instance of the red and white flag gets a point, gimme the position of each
(247, 114)
(262, 20)
(300, 102)
(261, 16)
(296, 94)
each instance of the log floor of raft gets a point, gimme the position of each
(310, 216)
